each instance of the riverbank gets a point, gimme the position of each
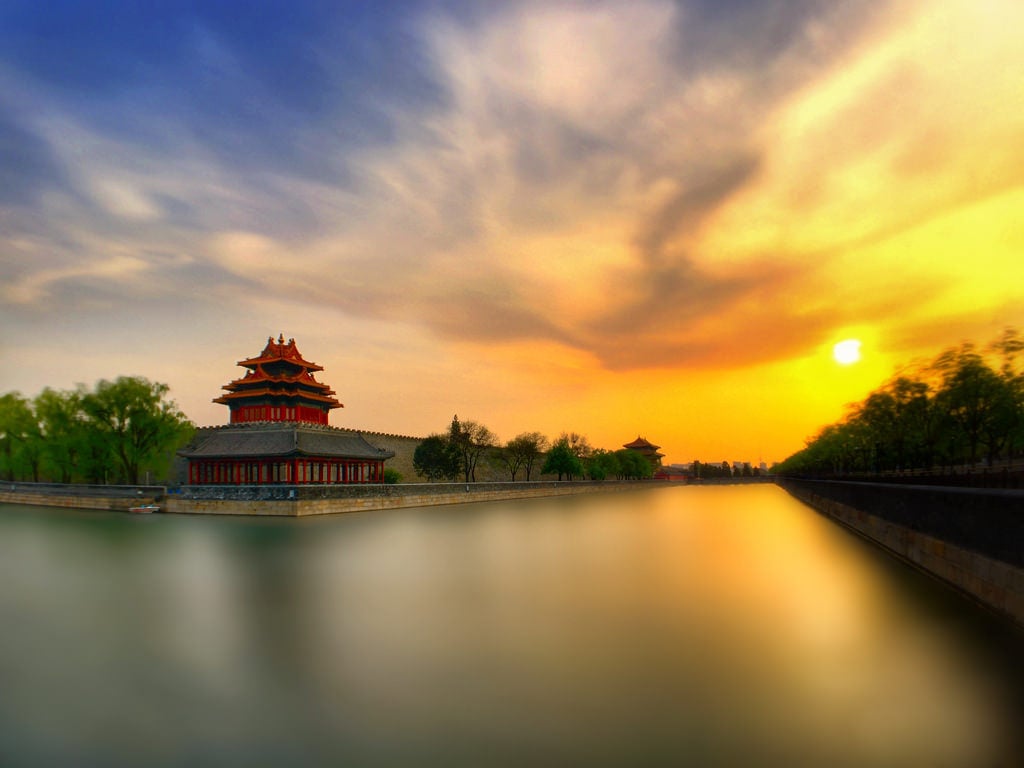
(296, 501)
(973, 539)
(307, 501)
(112, 498)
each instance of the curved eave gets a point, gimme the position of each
(298, 397)
(641, 445)
(252, 362)
(274, 441)
(240, 385)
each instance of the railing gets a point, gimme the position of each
(985, 520)
(1009, 477)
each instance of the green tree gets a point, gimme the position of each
(436, 459)
(135, 425)
(392, 476)
(64, 430)
(602, 464)
(633, 465)
(18, 432)
(562, 461)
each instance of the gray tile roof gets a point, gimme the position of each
(280, 440)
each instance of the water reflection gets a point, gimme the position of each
(703, 626)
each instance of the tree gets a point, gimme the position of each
(976, 401)
(1009, 346)
(18, 431)
(578, 444)
(436, 459)
(562, 461)
(134, 424)
(956, 409)
(392, 476)
(602, 464)
(470, 440)
(64, 430)
(522, 452)
(633, 465)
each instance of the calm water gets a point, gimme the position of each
(723, 626)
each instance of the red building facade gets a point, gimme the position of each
(278, 432)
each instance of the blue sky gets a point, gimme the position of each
(610, 217)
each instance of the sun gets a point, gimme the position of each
(847, 352)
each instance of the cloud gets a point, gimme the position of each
(635, 182)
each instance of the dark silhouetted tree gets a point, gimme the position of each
(436, 459)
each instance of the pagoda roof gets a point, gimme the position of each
(279, 393)
(280, 440)
(277, 351)
(299, 385)
(641, 444)
(258, 374)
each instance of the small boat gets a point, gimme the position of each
(144, 508)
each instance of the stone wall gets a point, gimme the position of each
(111, 498)
(971, 539)
(304, 501)
(404, 447)
(296, 500)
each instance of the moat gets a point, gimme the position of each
(685, 625)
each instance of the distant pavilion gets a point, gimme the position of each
(648, 450)
(277, 431)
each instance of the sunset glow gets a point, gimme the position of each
(847, 352)
(621, 218)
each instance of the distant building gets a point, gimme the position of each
(648, 450)
(676, 473)
(277, 431)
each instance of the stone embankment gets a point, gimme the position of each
(304, 501)
(115, 498)
(972, 539)
(293, 501)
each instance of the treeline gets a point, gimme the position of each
(456, 455)
(119, 432)
(965, 406)
(704, 470)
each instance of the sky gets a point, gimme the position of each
(615, 218)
